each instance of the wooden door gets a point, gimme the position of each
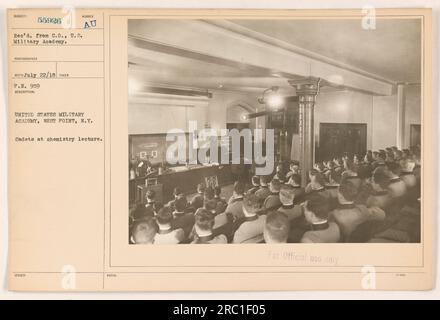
(415, 135)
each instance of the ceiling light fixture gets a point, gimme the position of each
(271, 98)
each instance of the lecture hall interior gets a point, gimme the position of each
(344, 103)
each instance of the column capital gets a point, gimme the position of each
(306, 86)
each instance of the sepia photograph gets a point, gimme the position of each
(274, 131)
(297, 144)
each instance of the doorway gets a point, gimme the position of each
(335, 139)
(415, 135)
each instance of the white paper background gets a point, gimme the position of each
(263, 4)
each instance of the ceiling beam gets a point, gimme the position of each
(232, 26)
(198, 40)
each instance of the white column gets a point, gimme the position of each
(307, 90)
(400, 116)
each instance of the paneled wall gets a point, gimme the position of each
(344, 107)
(412, 109)
(378, 112)
(384, 127)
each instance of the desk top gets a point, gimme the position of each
(178, 169)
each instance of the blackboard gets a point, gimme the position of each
(153, 147)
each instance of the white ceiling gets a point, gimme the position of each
(150, 67)
(390, 52)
